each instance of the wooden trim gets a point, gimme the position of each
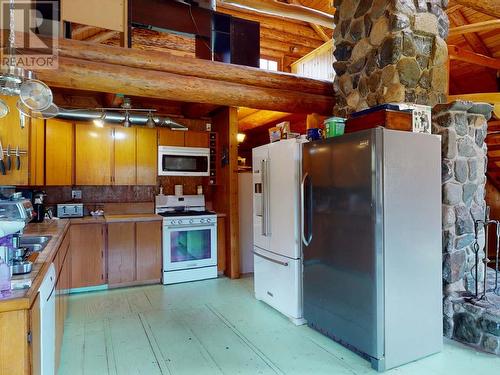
(102, 36)
(292, 11)
(475, 27)
(460, 54)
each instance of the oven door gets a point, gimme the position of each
(183, 161)
(186, 247)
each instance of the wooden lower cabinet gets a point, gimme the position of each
(121, 253)
(14, 350)
(134, 253)
(148, 249)
(87, 255)
(35, 328)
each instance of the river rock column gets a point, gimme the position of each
(463, 128)
(389, 51)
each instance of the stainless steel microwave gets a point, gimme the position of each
(183, 161)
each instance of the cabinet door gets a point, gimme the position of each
(36, 361)
(87, 255)
(94, 148)
(147, 154)
(12, 134)
(167, 137)
(197, 139)
(59, 147)
(148, 247)
(124, 156)
(37, 152)
(121, 253)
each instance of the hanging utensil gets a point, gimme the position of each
(18, 159)
(2, 164)
(9, 160)
(35, 95)
(4, 109)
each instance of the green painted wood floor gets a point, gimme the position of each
(216, 327)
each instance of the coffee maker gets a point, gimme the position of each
(39, 206)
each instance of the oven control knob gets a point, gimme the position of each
(202, 220)
(191, 221)
(209, 220)
(173, 222)
(180, 221)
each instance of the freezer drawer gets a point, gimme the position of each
(278, 283)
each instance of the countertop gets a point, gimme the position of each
(22, 299)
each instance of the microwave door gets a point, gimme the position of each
(183, 161)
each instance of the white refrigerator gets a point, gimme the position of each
(276, 223)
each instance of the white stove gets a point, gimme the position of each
(189, 238)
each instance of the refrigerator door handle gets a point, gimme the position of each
(268, 198)
(263, 196)
(305, 241)
(285, 264)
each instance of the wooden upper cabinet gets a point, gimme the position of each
(59, 148)
(94, 148)
(87, 255)
(37, 153)
(121, 253)
(124, 156)
(11, 133)
(167, 137)
(197, 139)
(147, 154)
(148, 243)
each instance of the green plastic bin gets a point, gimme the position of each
(334, 126)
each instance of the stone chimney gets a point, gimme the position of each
(390, 51)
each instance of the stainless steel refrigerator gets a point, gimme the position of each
(371, 232)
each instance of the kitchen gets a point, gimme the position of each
(126, 204)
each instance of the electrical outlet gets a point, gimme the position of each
(76, 194)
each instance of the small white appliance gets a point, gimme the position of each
(70, 210)
(183, 161)
(189, 238)
(48, 322)
(276, 223)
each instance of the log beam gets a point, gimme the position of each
(460, 54)
(319, 30)
(489, 7)
(475, 27)
(472, 39)
(196, 68)
(96, 76)
(292, 11)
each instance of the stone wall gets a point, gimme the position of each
(389, 51)
(463, 128)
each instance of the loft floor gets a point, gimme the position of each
(216, 327)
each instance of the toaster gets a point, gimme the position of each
(70, 210)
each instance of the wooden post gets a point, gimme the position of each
(225, 198)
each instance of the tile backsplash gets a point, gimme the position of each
(101, 194)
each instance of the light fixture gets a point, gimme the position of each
(99, 122)
(241, 137)
(150, 123)
(126, 122)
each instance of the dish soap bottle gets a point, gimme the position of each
(4, 276)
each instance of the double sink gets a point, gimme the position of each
(28, 245)
(34, 244)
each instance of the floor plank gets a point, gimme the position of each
(217, 327)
